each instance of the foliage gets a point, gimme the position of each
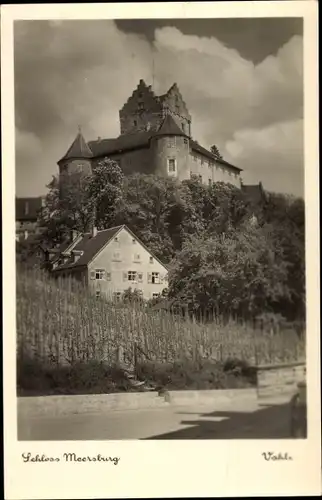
(224, 251)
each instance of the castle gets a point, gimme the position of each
(155, 138)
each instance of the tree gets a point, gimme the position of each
(105, 192)
(215, 151)
(76, 201)
(236, 273)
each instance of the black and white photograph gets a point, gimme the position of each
(160, 232)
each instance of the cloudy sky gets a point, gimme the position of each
(242, 80)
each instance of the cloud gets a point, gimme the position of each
(82, 72)
(273, 155)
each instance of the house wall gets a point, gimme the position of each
(117, 265)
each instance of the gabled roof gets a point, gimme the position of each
(78, 149)
(92, 245)
(27, 209)
(169, 127)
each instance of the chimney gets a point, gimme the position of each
(73, 235)
(94, 231)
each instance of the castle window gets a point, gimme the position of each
(26, 208)
(135, 123)
(171, 142)
(185, 141)
(141, 106)
(172, 167)
(209, 182)
(182, 126)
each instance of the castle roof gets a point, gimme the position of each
(78, 149)
(169, 127)
(122, 143)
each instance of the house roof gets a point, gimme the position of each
(169, 127)
(78, 149)
(27, 209)
(90, 246)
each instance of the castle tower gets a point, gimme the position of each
(145, 111)
(171, 150)
(77, 158)
(141, 112)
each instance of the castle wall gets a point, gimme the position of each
(138, 160)
(210, 172)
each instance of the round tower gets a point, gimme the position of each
(170, 147)
(78, 157)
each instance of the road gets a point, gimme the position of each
(235, 420)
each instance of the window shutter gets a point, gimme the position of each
(149, 277)
(92, 275)
(108, 276)
(140, 277)
(125, 276)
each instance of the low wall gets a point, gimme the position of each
(273, 380)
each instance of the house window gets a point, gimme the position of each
(137, 257)
(133, 241)
(97, 293)
(172, 167)
(151, 260)
(116, 239)
(131, 276)
(154, 278)
(117, 256)
(108, 276)
(99, 274)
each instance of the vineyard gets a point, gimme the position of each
(61, 322)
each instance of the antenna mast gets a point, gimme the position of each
(153, 68)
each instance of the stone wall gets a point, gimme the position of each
(274, 380)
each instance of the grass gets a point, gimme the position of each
(60, 323)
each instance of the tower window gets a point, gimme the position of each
(182, 126)
(135, 123)
(172, 167)
(171, 142)
(141, 106)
